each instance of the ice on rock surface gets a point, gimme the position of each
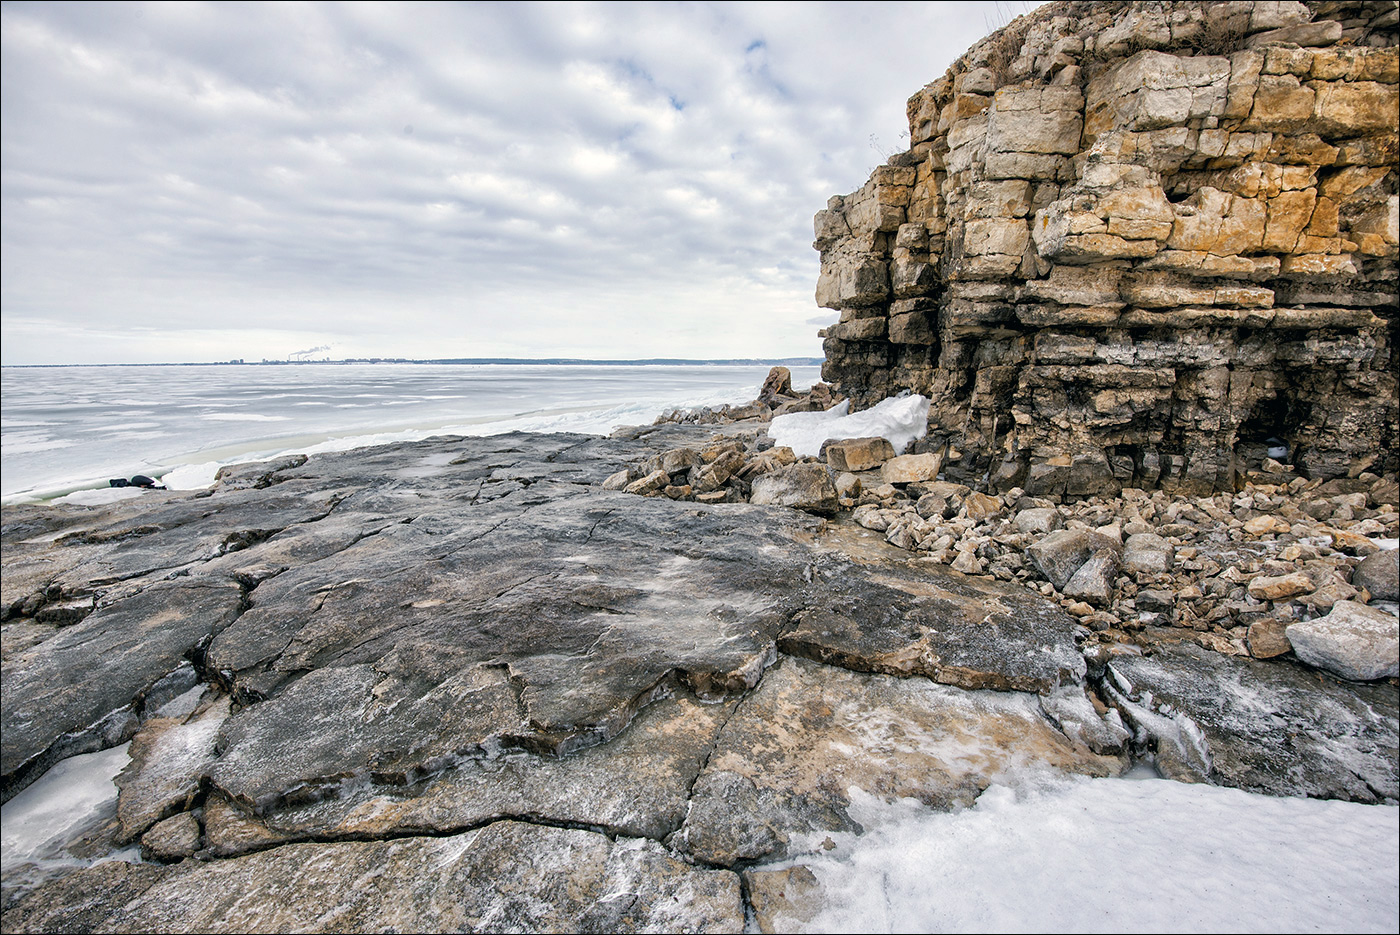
(74, 793)
(899, 419)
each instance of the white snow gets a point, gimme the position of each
(900, 419)
(1113, 855)
(59, 805)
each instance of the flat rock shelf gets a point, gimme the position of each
(457, 685)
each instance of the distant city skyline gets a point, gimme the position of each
(199, 182)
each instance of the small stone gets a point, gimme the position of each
(1265, 525)
(1353, 641)
(1351, 543)
(1079, 609)
(804, 486)
(1147, 553)
(968, 563)
(619, 480)
(175, 838)
(1155, 600)
(848, 485)
(1281, 587)
(656, 480)
(980, 506)
(1093, 581)
(1038, 520)
(1267, 639)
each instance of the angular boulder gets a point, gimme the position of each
(805, 486)
(1353, 641)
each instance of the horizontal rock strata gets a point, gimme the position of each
(1136, 245)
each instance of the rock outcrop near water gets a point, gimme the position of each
(458, 685)
(1137, 245)
(568, 683)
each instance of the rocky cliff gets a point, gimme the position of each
(1136, 245)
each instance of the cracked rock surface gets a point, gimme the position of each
(456, 684)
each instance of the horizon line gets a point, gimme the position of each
(542, 361)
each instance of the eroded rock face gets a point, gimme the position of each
(1130, 244)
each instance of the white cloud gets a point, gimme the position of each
(440, 179)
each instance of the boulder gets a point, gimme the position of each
(858, 454)
(1353, 641)
(1147, 553)
(806, 486)
(777, 383)
(907, 468)
(1379, 573)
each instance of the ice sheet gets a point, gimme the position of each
(73, 794)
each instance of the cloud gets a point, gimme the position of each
(438, 179)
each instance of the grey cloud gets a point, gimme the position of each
(603, 180)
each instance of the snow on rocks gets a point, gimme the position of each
(900, 420)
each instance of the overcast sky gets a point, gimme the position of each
(190, 181)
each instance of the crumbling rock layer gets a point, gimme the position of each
(1136, 245)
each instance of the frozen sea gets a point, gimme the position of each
(64, 429)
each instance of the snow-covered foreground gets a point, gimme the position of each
(1069, 855)
(1116, 855)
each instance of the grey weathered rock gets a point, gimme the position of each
(168, 760)
(91, 681)
(1262, 726)
(1379, 574)
(804, 486)
(1353, 641)
(1059, 555)
(637, 785)
(960, 631)
(508, 875)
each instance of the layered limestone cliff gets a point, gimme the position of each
(1137, 244)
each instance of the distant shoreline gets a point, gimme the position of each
(537, 361)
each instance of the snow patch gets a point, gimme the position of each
(1110, 855)
(900, 420)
